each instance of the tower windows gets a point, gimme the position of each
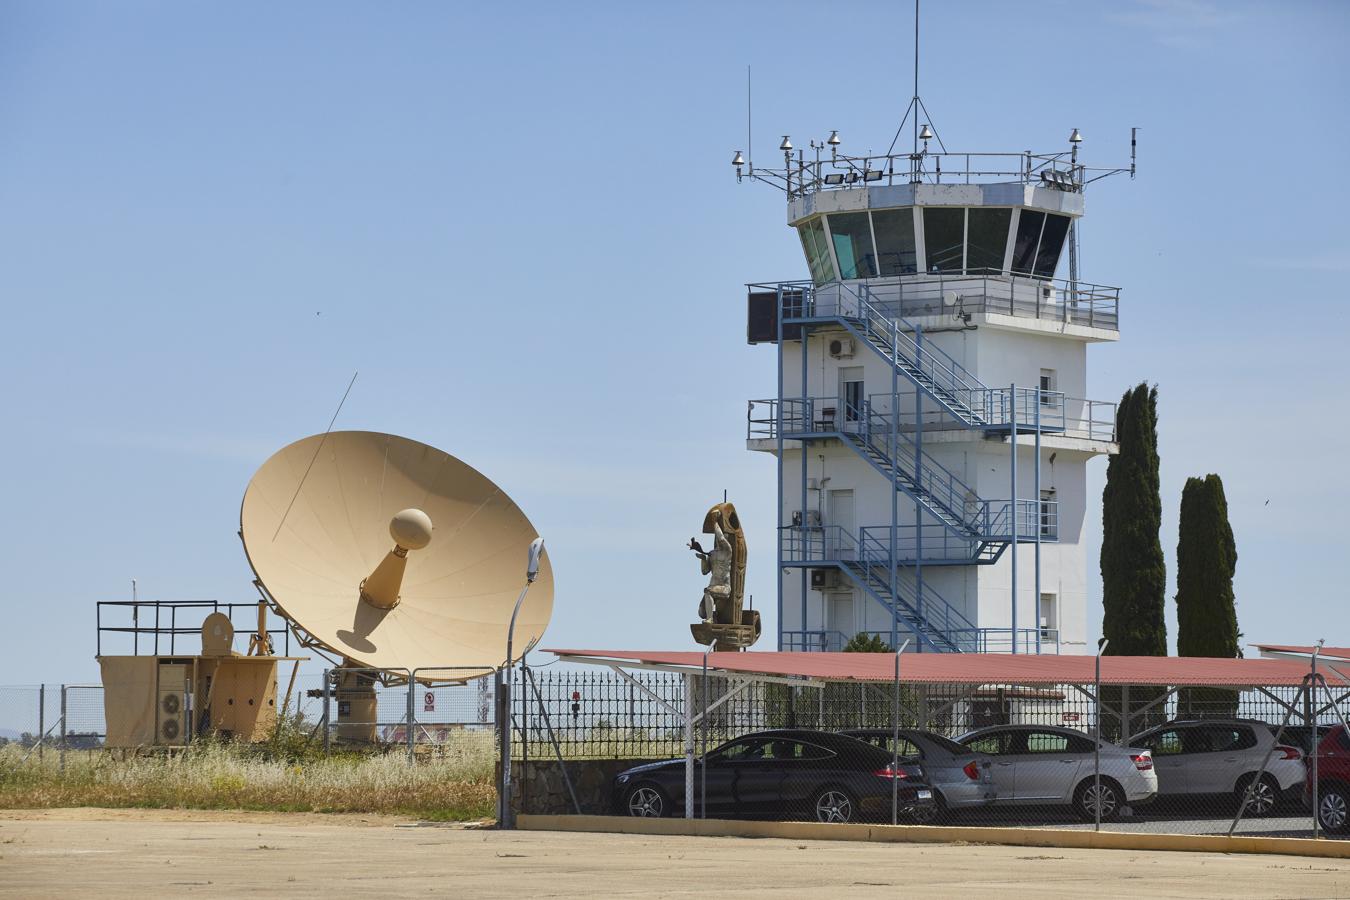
(956, 240)
(987, 238)
(896, 251)
(1028, 239)
(1049, 514)
(1047, 387)
(852, 236)
(944, 238)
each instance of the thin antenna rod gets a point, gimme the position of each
(749, 140)
(316, 455)
(915, 101)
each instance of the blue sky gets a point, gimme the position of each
(519, 224)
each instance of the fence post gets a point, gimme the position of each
(688, 746)
(63, 729)
(412, 716)
(1311, 719)
(42, 718)
(326, 710)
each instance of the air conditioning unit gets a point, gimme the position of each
(841, 348)
(824, 579)
(171, 715)
(810, 518)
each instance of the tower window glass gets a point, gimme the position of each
(944, 238)
(987, 238)
(1052, 242)
(852, 236)
(817, 253)
(896, 253)
(1028, 238)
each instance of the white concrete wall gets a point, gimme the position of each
(997, 357)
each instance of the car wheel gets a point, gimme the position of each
(1264, 794)
(1333, 809)
(834, 805)
(1089, 796)
(647, 801)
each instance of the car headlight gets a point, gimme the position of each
(622, 778)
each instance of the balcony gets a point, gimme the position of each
(1071, 417)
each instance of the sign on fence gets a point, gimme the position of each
(429, 702)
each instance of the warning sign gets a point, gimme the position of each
(429, 702)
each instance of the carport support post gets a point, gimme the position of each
(688, 746)
(1097, 742)
(1311, 716)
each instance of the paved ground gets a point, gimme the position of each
(139, 854)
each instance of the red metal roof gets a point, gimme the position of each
(1334, 655)
(974, 668)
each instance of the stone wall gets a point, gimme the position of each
(539, 787)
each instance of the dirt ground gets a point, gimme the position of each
(139, 854)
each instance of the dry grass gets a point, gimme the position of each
(454, 784)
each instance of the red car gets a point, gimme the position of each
(1333, 781)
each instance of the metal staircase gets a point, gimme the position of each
(878, 325)
(894, 449)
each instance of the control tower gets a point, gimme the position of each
(930, 424)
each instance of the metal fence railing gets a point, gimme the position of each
(1178, 760)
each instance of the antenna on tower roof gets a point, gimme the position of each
(916, 104)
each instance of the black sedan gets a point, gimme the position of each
(786, 774)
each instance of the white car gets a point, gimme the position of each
(1039, 765)
(1222, 757)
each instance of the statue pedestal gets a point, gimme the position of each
(728, 637)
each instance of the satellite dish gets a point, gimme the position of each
(393, 554)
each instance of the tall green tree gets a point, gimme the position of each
(1206, 609)
(1134, 573)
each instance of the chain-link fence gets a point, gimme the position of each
(55, 717)
(1194, 760)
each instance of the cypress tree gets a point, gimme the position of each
(1206, 611)
(1134, 573)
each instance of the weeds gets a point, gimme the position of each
(287, 773)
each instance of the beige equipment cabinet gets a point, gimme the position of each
(153, 701)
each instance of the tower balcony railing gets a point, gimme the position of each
(959, 294)
(1074, 417)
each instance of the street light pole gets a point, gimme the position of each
(504, 819)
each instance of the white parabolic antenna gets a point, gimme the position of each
(393, 554)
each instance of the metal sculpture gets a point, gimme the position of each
(725, 624)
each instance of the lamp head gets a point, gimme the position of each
(532, 567)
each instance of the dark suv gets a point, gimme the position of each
(1333, 781)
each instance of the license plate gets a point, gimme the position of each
(925, 795)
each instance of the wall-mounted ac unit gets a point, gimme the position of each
(824, 579)
(841, 348)
(809, 518)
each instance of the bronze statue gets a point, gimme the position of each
(725, 625)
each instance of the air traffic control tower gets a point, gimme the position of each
(930, 428)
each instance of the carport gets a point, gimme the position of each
(961, 676)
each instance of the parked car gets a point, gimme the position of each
(1333, 781)
(1046, 765)
(961, 777)
(790, 773)
(1223, 757)
(1300, 736)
